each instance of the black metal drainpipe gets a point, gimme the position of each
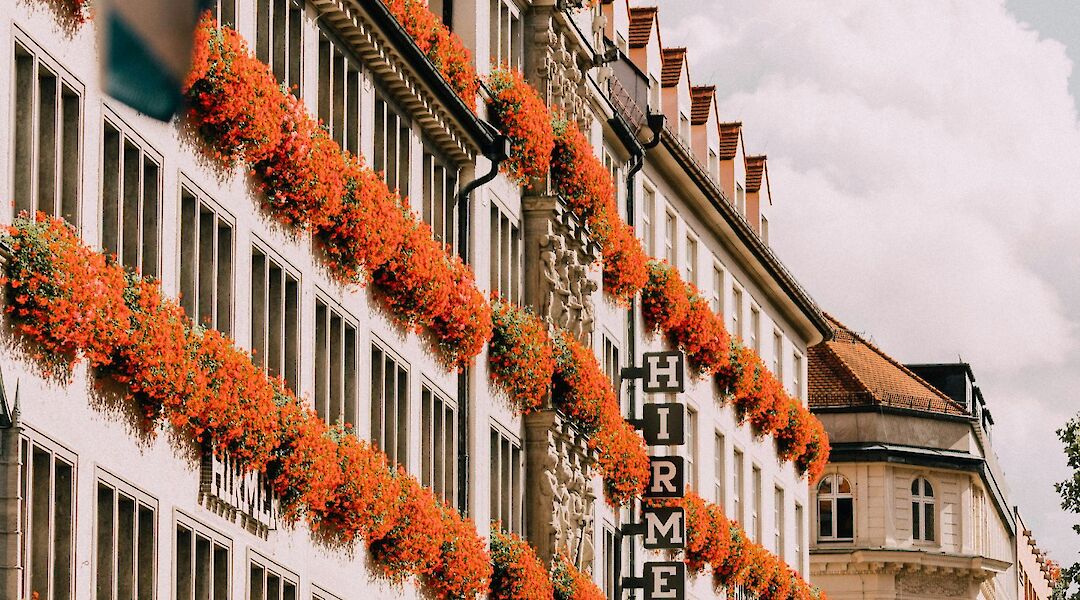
(637, 163)
(497, 153)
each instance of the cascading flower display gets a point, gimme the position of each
(517, 572)
(569, 583)
(444, 49)
(520, 355)
(522, 116)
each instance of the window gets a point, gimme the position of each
(612, 559)
(614, 168)
(506, 255)
(836, 515)
(778, 355)
(389, 405)
(922, 510)
(648, 209)
(392, 144)
(47, 510)
(691, 260)
(778, 522)
(691, 448)
(126, 543)
(796, 375)
(279, 40)
(800, 564)
(714, 165)
(336, 355)
(340, 86)
(981, 529)
(611, 362)
(737, 486)
(130, 200)
(718, 290)
(740, 199)
(736, 311)
(755, 503)
(225, 12)
(755, 329)
(269, 582)
(206, 261)
(440, 200)
(201, 563)
(275, 318)
(684, 128)
(438, 444)
(719, 470)
(48, 138)
(506, 34)
(669, 238)
(506, 481)
(764, 230)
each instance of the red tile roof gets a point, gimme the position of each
(674, 65)
(642, 23)
(849, 371)
(755, 168)
(701, 102)
(729, 139)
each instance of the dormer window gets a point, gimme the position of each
(740, 198)
(714, 165)
(684, 128)
(765, 230)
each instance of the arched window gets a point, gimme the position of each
(922, 510)
(836, 511)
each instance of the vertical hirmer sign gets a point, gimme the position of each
(663, 527)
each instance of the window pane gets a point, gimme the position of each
(845, 518)
(825, 518)
(915, 529)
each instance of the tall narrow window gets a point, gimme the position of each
(506, 481)
(691, 260)
(797, 375)
(690, 449)
(47, 510)
(737, 489)
(612, 560)
(48, 138)
(778, 355)
(393, 141)
(922, 510)
(279, 39)
(389, 405)
(669, 238)
(836, 514)
(718, 290)
(506, 34)
(736, 312)
(275, 317)
(206, 261)
(438, 444)
(778, 522)
(800, 564)
(267, 581)
(648, 212)
(439, 199)
(506, 255)
(611, 361)
(340, 90)
(225, 12)
(336, 364)
(755, 329)
(201, 563)
(755, 503)
(126, 543)
(130, 200)
(719, 470)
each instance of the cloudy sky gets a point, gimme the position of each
(924, 159)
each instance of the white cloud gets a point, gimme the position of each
(924, 159)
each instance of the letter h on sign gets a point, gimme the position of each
(664, 372)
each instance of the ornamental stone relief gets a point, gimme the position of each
(923, 584)
(559, 466)
(556, 65)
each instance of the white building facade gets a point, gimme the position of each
(92, 511)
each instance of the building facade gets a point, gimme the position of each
(91, 509)
(913, 503)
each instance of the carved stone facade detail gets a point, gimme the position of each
(560, 503)
(556, 62)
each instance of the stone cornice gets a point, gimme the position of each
(855, 561)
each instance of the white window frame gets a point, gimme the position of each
(832, 497)
(147, 244)
(507, 498)
(778, 355)
(217, 311)
(755, 328)
(289, 362)
(286, 34)
(29, 442)
(671, 232)
(269, 568)
(439, 466)
(779, 502)
(342, 91)
(691, 266)
(335, 372)
(507, 39)
(648, 212)
(216, 540)
(139, 499)
(737, 303)
(506, 239)
(923, 505)
(720, 469)
(397, 449)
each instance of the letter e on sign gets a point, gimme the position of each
(665, 528)
(667, 477)
(665, 580)
(663, 424)
(664, 372)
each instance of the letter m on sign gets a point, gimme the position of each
(664, 372)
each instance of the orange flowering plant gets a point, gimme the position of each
(444, 49)
(522, 116)
(517, 572)
(569, 583)
(520, 355)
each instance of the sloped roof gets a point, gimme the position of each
(729, 139)
(674, 63)
(849, 371)
(755, 168)
(642, 19)
(701, 102)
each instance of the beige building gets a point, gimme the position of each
(75, 479)
(913, 503)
